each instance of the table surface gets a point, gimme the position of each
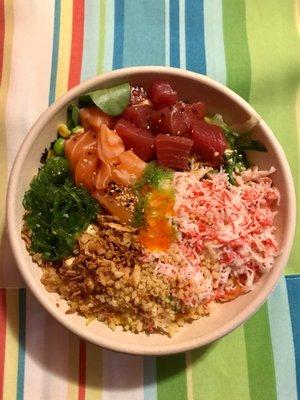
(48, 46)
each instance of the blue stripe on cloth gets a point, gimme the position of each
(90, 39)
(293, 289)
(118, 34)
(150, 387)
(174, 33)
(56, 29)
(214, 41)
(282, 343)
(144, 33)
(167, 33)
(22, 336)
(194, 36)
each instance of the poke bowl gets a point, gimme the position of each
(151, 210)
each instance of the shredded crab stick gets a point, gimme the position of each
(234, 224)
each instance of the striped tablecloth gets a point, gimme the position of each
(46, 47)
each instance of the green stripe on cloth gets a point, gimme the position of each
(220, 369)
(171, 378)
(102, 33)
(90, 44)
(56, 31)
(261, 371)
(22, 344)
(275, 60)
(236, 47)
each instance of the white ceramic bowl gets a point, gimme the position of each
(226, 317)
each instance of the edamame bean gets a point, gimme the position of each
(59, 146)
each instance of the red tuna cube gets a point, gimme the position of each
(140, 141)
(173, 151)
(161, 95)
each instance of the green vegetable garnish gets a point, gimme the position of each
(59, 146)
(112, 101)
(55, 171)
(235, 158)
(234, 162)
(139, 211)
(243, 142)
(72, 116)
(154, 177)
(85, 101)
(57, 211)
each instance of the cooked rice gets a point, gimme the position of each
(106, 279)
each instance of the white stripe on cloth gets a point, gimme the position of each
(30, 69)
(214, 43)
(150, 384)
(182, 34)
(122, 377)
(47, 358)
(109, 36)
(28, 89)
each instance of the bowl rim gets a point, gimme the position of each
(115, 345)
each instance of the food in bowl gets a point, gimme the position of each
(146, 211)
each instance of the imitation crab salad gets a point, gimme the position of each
(146, 212)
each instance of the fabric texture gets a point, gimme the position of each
(49, 46)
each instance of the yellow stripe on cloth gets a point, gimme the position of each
(73, 367)
(64, 47)
(94, 372)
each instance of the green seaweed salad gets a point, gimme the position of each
(57, 211)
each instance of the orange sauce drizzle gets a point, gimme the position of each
(158, 233)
